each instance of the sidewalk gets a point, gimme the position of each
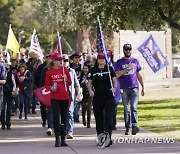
(29, 137)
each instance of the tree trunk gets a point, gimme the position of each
(83, 41)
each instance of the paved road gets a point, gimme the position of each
(29, 137)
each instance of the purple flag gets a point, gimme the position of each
(153, 54)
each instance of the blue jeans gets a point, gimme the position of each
(130, 99)
(70, 119)
(15, 104)
(76, 109)
(23, 104)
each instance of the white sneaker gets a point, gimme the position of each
(69, 136)
(49, 131)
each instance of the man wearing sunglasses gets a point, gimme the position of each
(128, 71)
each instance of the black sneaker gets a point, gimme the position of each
(127, 132)
(135, 130)
(20, 116)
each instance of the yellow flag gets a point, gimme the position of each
(12, 43)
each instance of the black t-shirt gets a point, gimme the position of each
(100, 80)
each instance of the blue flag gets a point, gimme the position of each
(153, 54)
(102, 48)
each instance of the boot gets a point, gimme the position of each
(3, 127)
(88, 122)
(57, 142)
(20, 115)
(84, 121)
(127, 131)
(63, 134)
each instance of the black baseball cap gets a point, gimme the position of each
(75, 55)
(127, 47)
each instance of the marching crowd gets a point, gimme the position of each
(74, 81)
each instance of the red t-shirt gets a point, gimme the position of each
(55, 75)
(20, 84)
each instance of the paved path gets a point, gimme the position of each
(29, 137)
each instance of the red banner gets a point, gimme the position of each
(43, 95)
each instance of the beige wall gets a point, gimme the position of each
(163, 40)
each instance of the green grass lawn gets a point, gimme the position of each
(159, 116)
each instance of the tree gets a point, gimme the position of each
(7, 8)
(138, 14)
(50, 16)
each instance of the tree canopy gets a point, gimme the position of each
(48, 16)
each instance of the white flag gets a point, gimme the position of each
(35, 46)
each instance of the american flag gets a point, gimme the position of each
(102, 48)
(35, 46)
(101, 45)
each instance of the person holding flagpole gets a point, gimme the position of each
(128, 71)
(100, 89)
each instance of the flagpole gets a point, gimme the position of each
(104, 49)
(59, 41)
(8, 34)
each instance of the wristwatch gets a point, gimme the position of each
(127, 69)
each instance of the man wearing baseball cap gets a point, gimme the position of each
(73, 89)
(58, 81)
(128, 71)
(75, 58)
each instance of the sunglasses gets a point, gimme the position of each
(66, 60)
(127, 49)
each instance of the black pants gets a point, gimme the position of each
(6, 110)
(86, 105)
(103, 108)
(59, 108)
(43, 109)
(115, 115)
